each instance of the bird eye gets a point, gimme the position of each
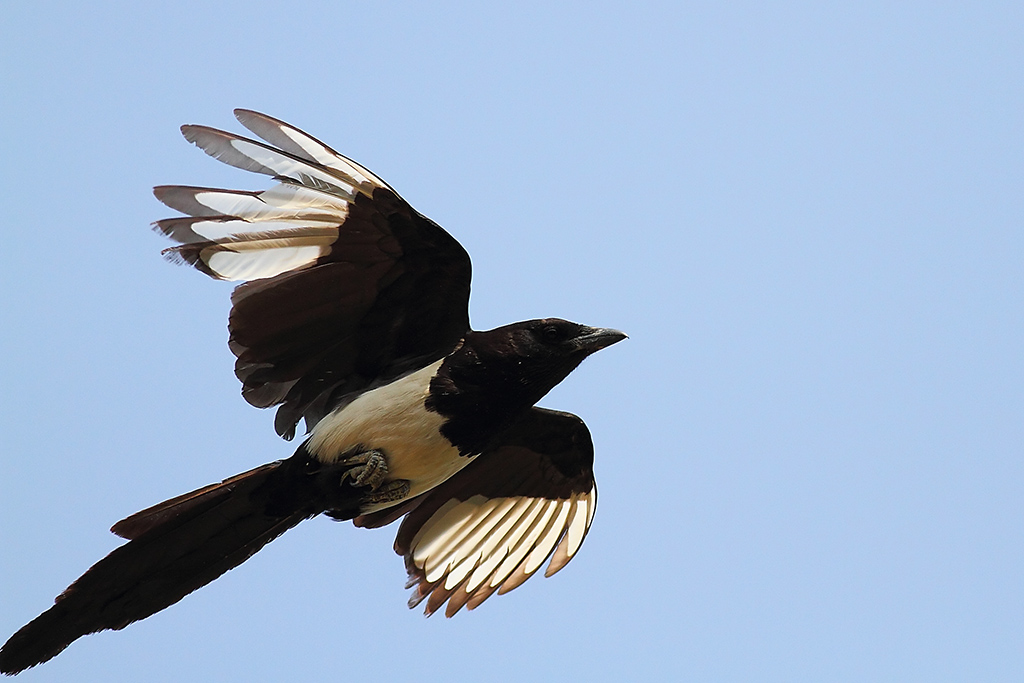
(552, 334)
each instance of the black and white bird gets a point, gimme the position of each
(354, 317)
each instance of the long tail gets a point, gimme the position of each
(178, 546)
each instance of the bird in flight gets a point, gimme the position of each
(353, 316)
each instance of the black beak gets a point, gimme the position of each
(597, 338)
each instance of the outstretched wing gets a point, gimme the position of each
(349, 286)
(492, 525)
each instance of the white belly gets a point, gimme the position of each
(392, 419)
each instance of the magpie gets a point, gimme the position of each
(353, 316)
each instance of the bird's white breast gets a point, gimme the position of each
(393, 419)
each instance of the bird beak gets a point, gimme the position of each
(597, 338)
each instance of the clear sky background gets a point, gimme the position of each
(808, 217)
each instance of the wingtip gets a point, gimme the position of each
(192, 131)
(188, 131)
(251, 117)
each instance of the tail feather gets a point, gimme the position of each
(175, 548)
(194, 502)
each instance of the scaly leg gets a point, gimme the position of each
(371, 468)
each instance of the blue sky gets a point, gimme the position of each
(807, 216)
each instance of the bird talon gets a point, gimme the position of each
(371, 468)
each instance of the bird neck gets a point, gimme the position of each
(480, 391)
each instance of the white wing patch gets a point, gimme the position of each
(240, 235)
(469, 549)
(303, 145)
(263, 243)
(264, 259)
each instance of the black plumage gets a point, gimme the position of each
(354, 316)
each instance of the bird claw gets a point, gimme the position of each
(370, 470)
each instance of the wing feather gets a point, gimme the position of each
(250, 155)
(346, 285)
(304, 145)
(493, 525)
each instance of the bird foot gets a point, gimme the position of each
(370, 470)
